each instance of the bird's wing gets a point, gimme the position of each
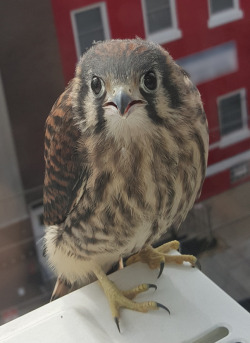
(62, 168)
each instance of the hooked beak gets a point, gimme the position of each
(122, 101)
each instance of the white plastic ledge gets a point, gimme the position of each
(200, 312)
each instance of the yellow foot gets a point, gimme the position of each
(156, 258)
(123, 299)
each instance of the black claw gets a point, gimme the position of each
(117, 324)
(161, 269)
(54, 297)
(151, 285)
(162, 306)
(197, 264)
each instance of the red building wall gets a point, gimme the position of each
(126, 21)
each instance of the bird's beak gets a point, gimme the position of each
(122, 101)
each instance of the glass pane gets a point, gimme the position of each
(88, 20)
(158, 15)
(230, 114)
(159, 21)
(86, 40)
(155, 4)
(220, 5)
(216, 229)
(89, 27)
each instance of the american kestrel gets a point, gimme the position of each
(126, 149)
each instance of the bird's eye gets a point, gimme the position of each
(96, 85)
(150, 80)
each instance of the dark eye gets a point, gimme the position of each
(150, 81)
(96, 85)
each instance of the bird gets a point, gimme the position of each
(126, 148)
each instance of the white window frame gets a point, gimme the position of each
(242, 133)
(166, 35)
(226, 16)
(105, 21)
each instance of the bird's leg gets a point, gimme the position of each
(123, 299)
(157, 257)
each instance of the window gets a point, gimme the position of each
(89, 24)
(160, 20)
(218, 6)
(211, 63)
(223, 11)
(230, 114)
(233, 117)
(240, 171)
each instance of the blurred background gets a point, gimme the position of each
(40, 43)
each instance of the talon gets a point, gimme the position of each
(197, 264)
(117, 324)
(162, 264)
(151, 285)
(162, 306)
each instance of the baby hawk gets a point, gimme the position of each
(126, 149)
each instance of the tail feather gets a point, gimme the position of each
(61, 288)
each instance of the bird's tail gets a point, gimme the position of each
(62, 287)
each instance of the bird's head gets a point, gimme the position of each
(124, 87)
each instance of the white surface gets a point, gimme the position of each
(197, 307)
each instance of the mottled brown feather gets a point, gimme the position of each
(61, 160)
(136, 176)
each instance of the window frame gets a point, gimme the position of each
(165, 35)
(105, 22)
(224, 17)
(240, 134)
